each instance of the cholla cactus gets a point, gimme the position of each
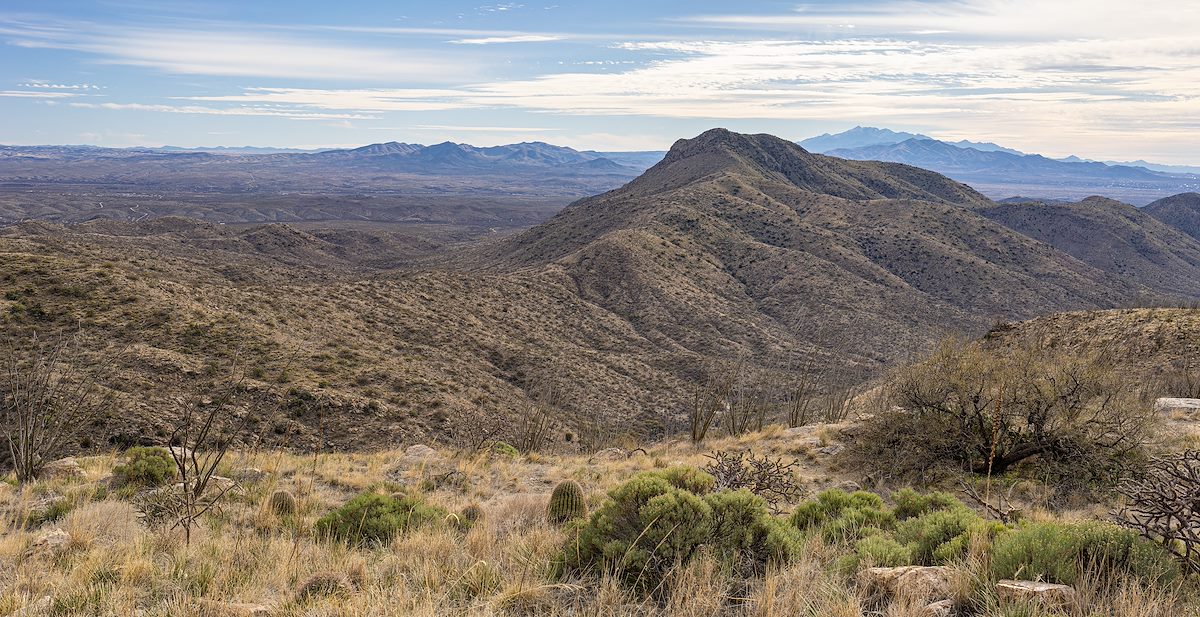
(566, 503)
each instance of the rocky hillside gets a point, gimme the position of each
(1111, 236)
(1179, 211)
(744, 243)
(734, 246)
(1155, 344)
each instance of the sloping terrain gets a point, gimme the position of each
(1179, 211)
(734, 246)
(745, 243)
(1156, 345)
(1113, 237)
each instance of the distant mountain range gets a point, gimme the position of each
(1001, 172)
(500, 186)
(861, 136)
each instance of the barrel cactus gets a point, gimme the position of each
(471, 514)
(283, 503)
(566, 503)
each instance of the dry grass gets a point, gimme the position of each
(504, 565)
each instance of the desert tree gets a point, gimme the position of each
(532, 429)
(987, 411)
(48, 397)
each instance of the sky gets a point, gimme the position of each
(1095, 78)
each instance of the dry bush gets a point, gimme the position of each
(966, 408)
(45, 402)
(771, 479)
(1161, 504)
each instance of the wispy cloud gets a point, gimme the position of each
(482, 129)
(52, 86)
(25, 94)
(232, 50)
(278, 112)
(372, 99)
(516, 38)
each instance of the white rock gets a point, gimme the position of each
(63, 469)
(921, 582)
(50, 544)
(942, 608)
(608, 454)
(420, 452)
(1047, 595)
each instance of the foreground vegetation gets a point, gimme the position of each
(421, 532)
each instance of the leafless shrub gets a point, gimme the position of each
(477, 433)
(750, 401)
(1161, 504)
(46, 399)
(771, 479)
(533, 428)
(997, 504)
(710, 398)
(988, 411)
(201, 438)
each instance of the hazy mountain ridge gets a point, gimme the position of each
(1002, 172)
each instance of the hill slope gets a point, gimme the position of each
(1179, 211)
(1113, 237)
(748, 243)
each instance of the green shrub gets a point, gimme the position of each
(743, 529)
(1059, 552)
(689, 479)
(505, 449)
(843, 517)
(880, 551)
(371, 518)
(566, 503)
(938, 536)
(652, 522)
(145, 467)
(911, 504)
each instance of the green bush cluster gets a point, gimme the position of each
(660, 518)
(1060, 552)
(922, 529)
(145, 466)
(371, 518)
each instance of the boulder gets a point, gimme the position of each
(608, 454)
(917, 582)
(63, 469)
(1046, 595)
(420, 453)
(50, 545)
(1175, 407)
(831, 450)
(941, 608)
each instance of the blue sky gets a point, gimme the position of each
(1096, 78)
